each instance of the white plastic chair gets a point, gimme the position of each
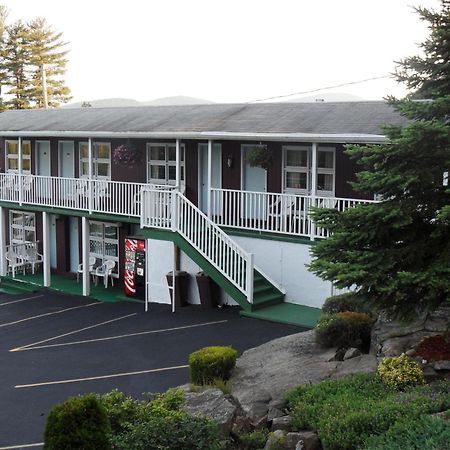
(92, 260)
(33, 257)
(105, 271)
(15, 262)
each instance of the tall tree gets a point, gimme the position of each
(396, 253)
(3, 19)
(48, 64)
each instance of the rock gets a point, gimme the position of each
(241, 424)
(359, 364)
(438, 320)
(281, 423)
(213, 404)
(441, 365)
(352, 353)
(308, 441)
(278, 403)
(274, 413)
(411, 352)
(277, 438)
(335, 354)
(430, 374)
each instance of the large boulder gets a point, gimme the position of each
(264, 374)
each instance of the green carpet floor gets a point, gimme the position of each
(304, 316)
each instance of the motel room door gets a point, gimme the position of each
(216, 176)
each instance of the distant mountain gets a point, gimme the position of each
(122, 102)
(328, 97)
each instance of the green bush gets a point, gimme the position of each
(79, 423)
(425, 432)
(344, 329)
(344, 302)
(347, 411)
(254, 440)
(211, 363)
(400, 372)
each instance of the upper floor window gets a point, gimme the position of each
(325, 170)
(101, 160)
(12, 156)
(161, 163)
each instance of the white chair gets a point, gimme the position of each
(15, 262)
(32, 257)
(92, 261)
(105, 271)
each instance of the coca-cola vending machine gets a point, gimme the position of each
(135, 267)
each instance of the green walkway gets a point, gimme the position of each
(289, 313)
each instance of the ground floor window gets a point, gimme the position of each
(22, 227)
(104, 243)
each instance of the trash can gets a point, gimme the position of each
(181, 287)
(207, 290)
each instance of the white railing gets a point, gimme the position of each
(272, 212)
(101, 196)
(171, 210)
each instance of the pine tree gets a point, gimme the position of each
(3, 19)
(46, 55)
(396, 253)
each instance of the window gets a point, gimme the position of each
(101, 160)
(161, 163)
(22, 227)
(325, 170)
(296, 168)
(12, 156)
(104, 243)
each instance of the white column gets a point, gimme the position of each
(209, 184)
(174, 271)
(90, 190)
(3, 266)
(46, 247)
(178, 165)
(312, 232)
(85, 255)
(20, 168)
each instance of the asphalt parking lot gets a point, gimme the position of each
(54, 346)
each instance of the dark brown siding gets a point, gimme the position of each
(274, 172)
(191, 170)
(62, 244)
(231, 176)
(135, 173)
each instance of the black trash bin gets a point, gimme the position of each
(181, 287)
(207, 290)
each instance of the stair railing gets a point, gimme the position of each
(171, 210)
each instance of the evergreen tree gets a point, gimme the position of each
(3, 19)
(396, 253)
(46, 55)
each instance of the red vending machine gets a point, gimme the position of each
(135, 267)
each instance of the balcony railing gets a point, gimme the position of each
(273, 212)
(97, 196)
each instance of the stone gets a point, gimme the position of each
(360, 364)
(352, 352)
(430, 374)
(308, 441)
(213, 404)
(276, 438)
(281, 423)
(411, 352)
(441, 365)
(274, 413)
(241, 424)
(335, 354)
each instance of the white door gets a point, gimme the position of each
(66, 158)
(253, 179)
(73, 237)
(216, 174)
(43, 158)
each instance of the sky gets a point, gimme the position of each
(230, 50)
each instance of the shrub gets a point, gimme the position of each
(120, 409)
(79, 423)
(422, 433)
(254, 440)
(211, 363)
(344, 302)
(344, 329)
(434, 348)
(400, 372)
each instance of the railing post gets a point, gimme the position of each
(90, 190)
(312, 231)
(249, 278)
(174, 210)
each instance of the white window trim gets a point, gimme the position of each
(95, 161)
(16, 156)
(21, 226)
(299, 169)
(326, 171)
(166, 163)
(103, 240)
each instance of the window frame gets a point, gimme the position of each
(95, 160)
(326, 171)
(297, 169)
(103, 240)
(166, 163)
(14, 225)
(15, 156)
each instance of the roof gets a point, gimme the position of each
(343, 119)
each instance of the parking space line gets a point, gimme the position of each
(26, 347)
(12, 447)
(18, 301)
(101, 377)
(110, 338)
(48, 314)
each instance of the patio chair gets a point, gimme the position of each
(15, 262)
(32, 257)
(92, 261)
(105, 271)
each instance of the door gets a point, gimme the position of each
(43, 158)
(216, 175)
(66, 158)
(74, 250)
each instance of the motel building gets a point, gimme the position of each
(107, 201)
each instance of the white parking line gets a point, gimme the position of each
(26, 347)
(12, 447)
(18, 301)
(109, 338)
(48, 314)
(101, 377)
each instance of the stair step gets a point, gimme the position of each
(262, 288)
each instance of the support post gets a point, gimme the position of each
(178, 165)
(249, 278)
(209, 184)
(90, 190)
(312, 231)
(46, 248)
(3, 266)
(174, 271)
(20, 169)
(85, 255)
